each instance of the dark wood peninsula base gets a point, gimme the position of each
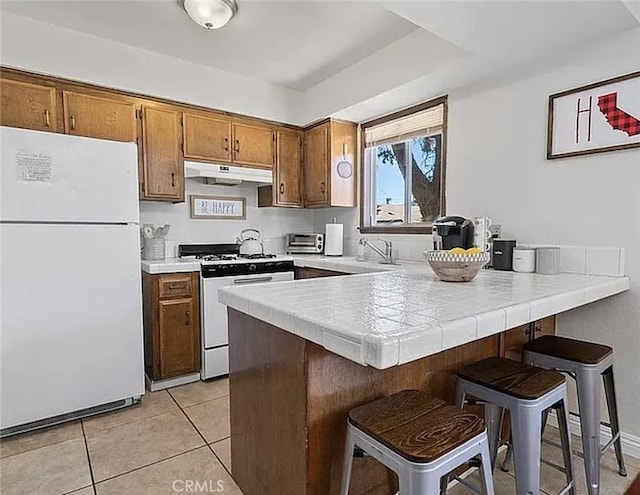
(290, 398)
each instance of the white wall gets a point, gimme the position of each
(36, 46)
(496, 166)
(274, 223)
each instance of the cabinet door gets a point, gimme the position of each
(514, 339)
(207, 138)
(316, 166)
(100, 118)
(288, 168)
(179, 343)
(253, 145)
(162, 162)
(28, 106)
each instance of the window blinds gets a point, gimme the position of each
(425, 123)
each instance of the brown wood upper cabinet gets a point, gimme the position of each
(98, 117)
(253, 145)
(162, 164)
(27, 105)
(330, 164)
(207, 138)
(287, 173)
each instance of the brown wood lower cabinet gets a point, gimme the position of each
(290, 399)
(171, 324)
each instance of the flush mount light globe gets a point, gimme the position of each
(211, 14)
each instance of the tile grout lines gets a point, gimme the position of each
(151, 463)
(199, 433)
(147, 465)
(86, 448)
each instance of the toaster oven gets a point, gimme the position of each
(305, 243)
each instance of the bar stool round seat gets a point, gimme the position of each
(421, 438)
(526, 392)
(588, 363)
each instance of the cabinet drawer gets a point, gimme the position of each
(178, 285)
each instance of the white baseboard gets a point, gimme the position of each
(630, 443)
(171, 382)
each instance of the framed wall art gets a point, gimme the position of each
(218, 207)
(603, 116)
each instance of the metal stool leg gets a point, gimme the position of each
(493, 418)
(509, 454)
(525, 428)
(588, 382)
(415, 483)
(349, 445)
(486, 469)
(562, 412)
(610, 392)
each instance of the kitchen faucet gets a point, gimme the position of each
(386, 255)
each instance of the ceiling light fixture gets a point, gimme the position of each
(211, 14)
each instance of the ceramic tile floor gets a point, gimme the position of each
(552, 480)
(179, 435)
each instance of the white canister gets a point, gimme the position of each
(170, 249)
(524, 260)
(548, 260)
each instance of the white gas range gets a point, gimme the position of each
(223, 266)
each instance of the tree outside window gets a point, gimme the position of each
(403, 184)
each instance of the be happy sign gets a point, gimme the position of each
(218, 207)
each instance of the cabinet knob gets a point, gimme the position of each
(282, 188)
(237, 146)
(226, 144)
(187, 318)
(47, 118)
(173, 179)
(322, 187)
(72, 122)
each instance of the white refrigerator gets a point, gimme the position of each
(71, 339)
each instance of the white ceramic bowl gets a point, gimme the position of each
(450, 267)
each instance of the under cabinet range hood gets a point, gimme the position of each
(226, 175)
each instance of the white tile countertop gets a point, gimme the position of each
(402, 313)
(170, 265)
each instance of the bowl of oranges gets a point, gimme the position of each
(457, 264)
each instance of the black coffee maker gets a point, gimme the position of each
(451, 232)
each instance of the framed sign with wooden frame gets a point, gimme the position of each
(599, 117)
(218, 207)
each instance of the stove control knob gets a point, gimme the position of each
(252, 267)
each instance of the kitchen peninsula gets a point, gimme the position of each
(303, 353)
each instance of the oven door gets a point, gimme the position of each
(214, 313)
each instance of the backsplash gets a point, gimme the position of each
(610, 261)
(273, 223)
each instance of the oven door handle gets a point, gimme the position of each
(252, 280)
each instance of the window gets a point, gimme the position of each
(403, 179)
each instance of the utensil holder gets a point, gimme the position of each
(153, 249)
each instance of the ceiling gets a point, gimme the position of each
(353, 59)
(287, 43)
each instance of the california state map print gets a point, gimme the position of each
(603, 116)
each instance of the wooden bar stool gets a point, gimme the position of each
(587, 363)
(419, 437)
(526, 392)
